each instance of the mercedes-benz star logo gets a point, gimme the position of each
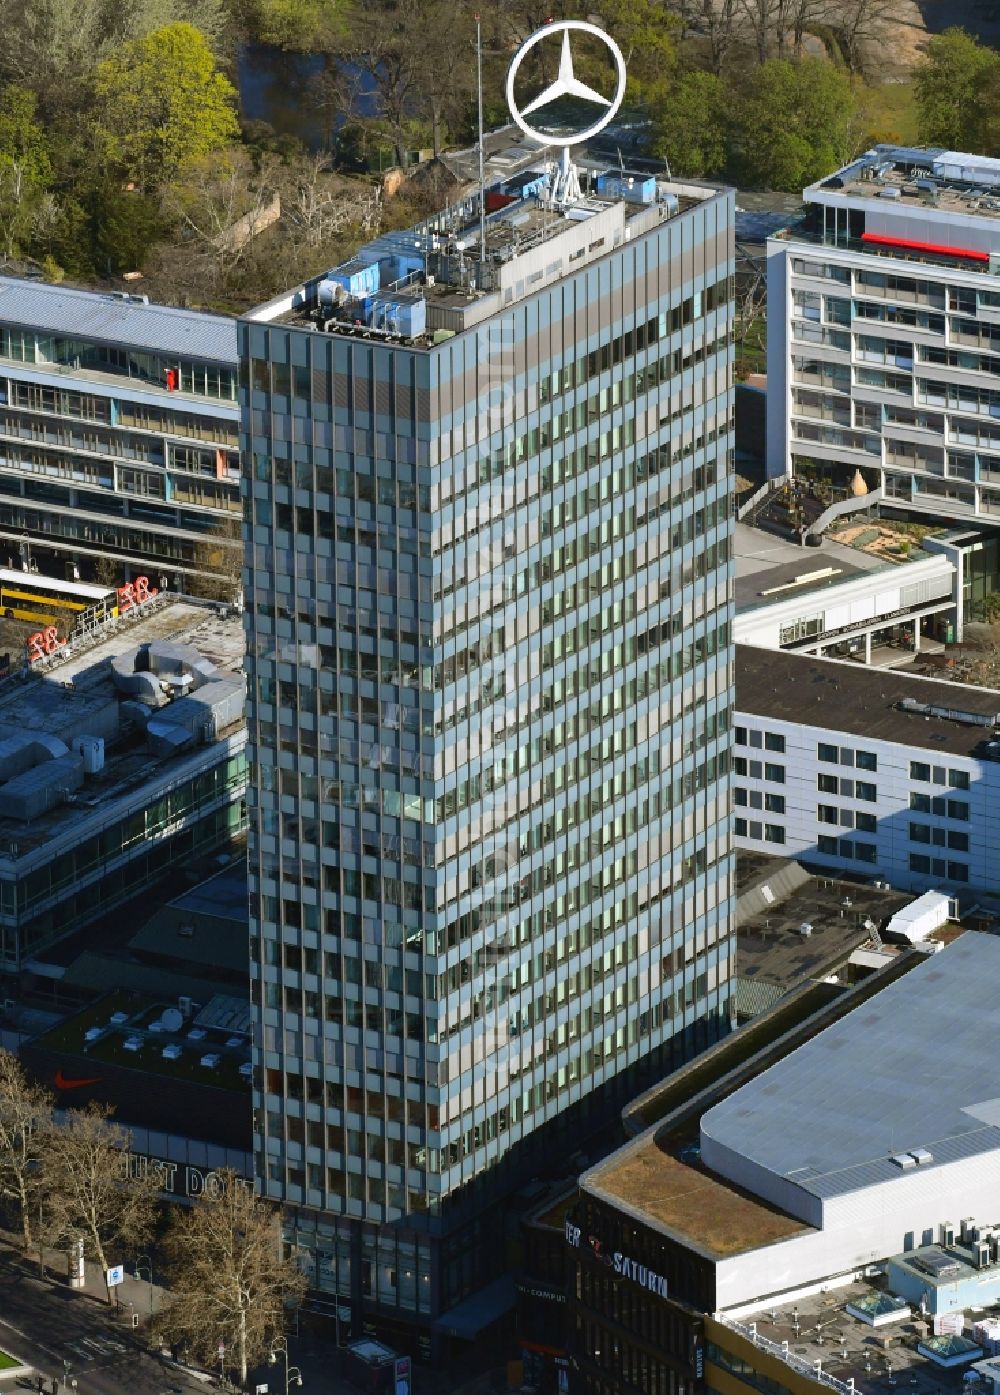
(566, 83)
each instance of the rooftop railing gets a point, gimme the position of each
(812, 1369)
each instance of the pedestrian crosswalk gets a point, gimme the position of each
(94, 1350)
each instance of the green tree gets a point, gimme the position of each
(689, 124)
(124, 225)
(646, 31)
(64, 235)
(955, 85)
(304, 26)
(792, 123)
(161, 101)
(51, 46)
(989, 138)
(25, 168)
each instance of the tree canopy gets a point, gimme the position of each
(690, 124)
(161, 100)
(25, 169)
(958, 85)
(301, 25)
(792, 123)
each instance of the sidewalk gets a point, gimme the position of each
(312, 1351)
(131, 1296)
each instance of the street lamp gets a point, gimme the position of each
(145, 1263)
(293, 1376)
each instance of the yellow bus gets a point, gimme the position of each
(43, 600)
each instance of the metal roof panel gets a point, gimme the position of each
(114, 319)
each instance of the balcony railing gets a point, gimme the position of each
(812, 1369)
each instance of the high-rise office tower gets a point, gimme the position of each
(489, 604)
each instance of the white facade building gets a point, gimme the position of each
(884, 332)
(876, 1136)
(823, 606)
(878, 772)
(880, 1133)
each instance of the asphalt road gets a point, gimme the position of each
(47, 1325)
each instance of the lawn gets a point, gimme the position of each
(889, 111)
(8, 1362)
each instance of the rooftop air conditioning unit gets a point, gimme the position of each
(947, 1233)
(185, 1006)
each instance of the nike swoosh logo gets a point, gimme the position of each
(63, 1084)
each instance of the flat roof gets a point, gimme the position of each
(123, 319)
(79, 689)
(843, 696)
(914, 1068)
(952, 181)
(508, 151)
(771, 947)
(939, 1266)
(454, 270)
(219, 1028)
(207, 927)
(767, 563)
(816, 1327)
(704, 1209)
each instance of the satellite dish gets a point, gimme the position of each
(173, 1020)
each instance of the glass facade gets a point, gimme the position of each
(489, 653)
(46, 894)
(100, 459)
(622, 1336)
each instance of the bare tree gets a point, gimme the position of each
(220, 203)
(862, 27)
(229, 1282)
(25, 1110)
(800, 15)
(88, 1188)
(443, 43)
(322, 206)
(406, 65)
(719, 22)
(216, 555)
(758, 22)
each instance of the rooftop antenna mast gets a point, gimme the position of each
(482, 176)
